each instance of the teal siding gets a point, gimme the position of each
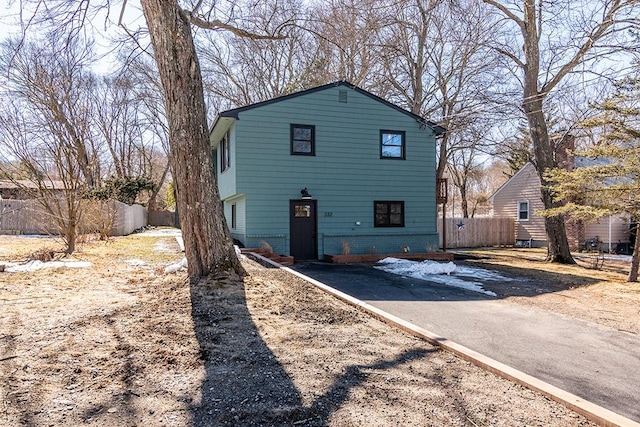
(345, 176)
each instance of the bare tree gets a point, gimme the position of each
(436, 61)
(241, 70)
(118, 121)
(145, 90)
(488, 177)
(135, 138)
(549, 42)
(346, 32)
(45, 126)
(465, 168)
(208, 244)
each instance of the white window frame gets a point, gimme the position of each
(528, 210)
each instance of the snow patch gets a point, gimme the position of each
(174, 268)
(444, 273)
(38, 265)
(406, 267)
(238, 251)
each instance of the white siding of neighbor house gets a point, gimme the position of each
(523, 186)
(600, 228)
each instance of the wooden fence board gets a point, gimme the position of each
(478, 232)
(28, 217)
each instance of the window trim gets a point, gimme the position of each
(388, 204)
(294, 126)
(521, 211)
(225, 153)
(403, 144)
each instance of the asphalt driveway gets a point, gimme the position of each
(599, 364)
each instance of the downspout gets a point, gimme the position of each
(609, 233)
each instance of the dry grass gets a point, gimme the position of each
(602, 296)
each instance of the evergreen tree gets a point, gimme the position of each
(608, 180)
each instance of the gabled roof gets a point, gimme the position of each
(437, 129)
(508, 182)
(31, 185)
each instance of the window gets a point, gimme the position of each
(302, 211)
(303, 140)
(392, 144)
(225, 153)
(233, 216)
(389, 214)
(523, 211)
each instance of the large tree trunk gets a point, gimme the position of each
(208, 244)
(532, 104)
(557, 242)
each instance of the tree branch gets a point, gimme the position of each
(601, 30)
(507, 13)
(509, 55)
(216, 24)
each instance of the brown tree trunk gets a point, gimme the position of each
(532, 104)
(557, 242)
(153, 199)
(464, 202)
(442, 156)
(208, 243)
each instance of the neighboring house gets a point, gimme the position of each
(22, 189)
(333, 169)
(519, 198)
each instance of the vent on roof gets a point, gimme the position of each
(342, 96)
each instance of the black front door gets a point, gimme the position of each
(302, 227)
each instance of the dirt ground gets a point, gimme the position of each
(120, 343)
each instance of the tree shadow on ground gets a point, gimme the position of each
(245, 384)
(367, 283)
(528, 282)
(56, 386)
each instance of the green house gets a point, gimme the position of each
(328, 170)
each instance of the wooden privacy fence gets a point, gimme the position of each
(162, 218)
(478, 232)
(113, 217)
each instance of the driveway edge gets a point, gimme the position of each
(591, 411)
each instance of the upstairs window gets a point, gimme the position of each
(303, 140)
(523, 211)
(392, 144)
(388, 214)
(225, 153)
